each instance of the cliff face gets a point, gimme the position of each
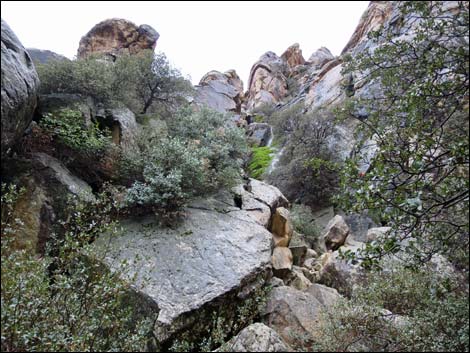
(19, 88)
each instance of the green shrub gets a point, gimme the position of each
(261, 158)
(173, 172)
(307, 171)
(143, 82)
(68, 127)
(201, 153)
(89, 77)
(65, 301)
(433, 309)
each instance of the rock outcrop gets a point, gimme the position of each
(123, 126)
(295, 315)
(220, 91)
(336, 233)
(20, 84)
(320, 58)
(281, 227)
(48, 184)
(256, 338)
(114, 37)
(40, 56)
(268, 82)
(216, 257)
(293, 56)
(259, 134)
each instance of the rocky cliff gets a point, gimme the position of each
(117, 36)
(205, 272)
(19, 88)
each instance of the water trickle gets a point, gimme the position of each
(271, 137)
(277, 156)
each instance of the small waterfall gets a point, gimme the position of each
(276, 153)
(271, 137)
(277, 156)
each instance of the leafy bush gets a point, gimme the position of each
(307, 171)
(147, 83)
(261, 158)
(143, 82)
(172, 174)
(419, 179)
(201, 153)
(68, 127)
(433, 315)
(65, 301)
(89, 77)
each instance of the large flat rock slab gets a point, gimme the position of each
(213, 254)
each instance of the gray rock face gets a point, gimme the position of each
(336, 232)
(268, 194)
(282, 261)
(320, 57)
(50, 103)
(40, 56)
(220, 91)
(293, 314)
(374, 233)
(48, 185)
(256, 338)
(259, 134)
(75, 185)
(216, 255)
(339, 274)
(20, 84)
(325, 295)
(359, 225)
(122, 124)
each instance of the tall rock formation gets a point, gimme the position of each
(115, 36)
(268, 81)
(221, 91)
(20, 84)
(293, 56)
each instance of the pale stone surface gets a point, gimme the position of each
(210, 256)
(336, 232)
(256, 338)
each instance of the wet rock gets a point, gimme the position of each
(20, 84)
(208, 261)
(259, 134)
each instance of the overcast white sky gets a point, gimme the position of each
(196, 36)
